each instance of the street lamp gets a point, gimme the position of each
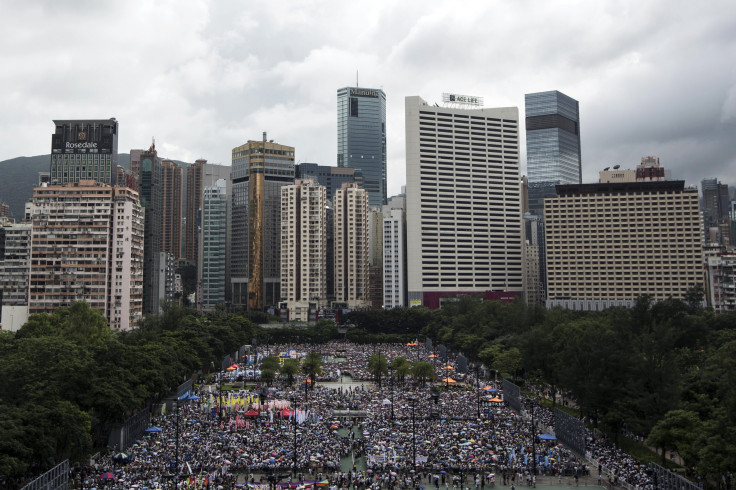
(477, 387)
(222, 375)
(293, 414)
(413, 400)
(534, 440)
(391, 370)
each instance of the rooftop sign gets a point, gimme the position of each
(462, 99)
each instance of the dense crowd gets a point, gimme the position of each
(400, 434)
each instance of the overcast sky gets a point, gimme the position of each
(652, 77)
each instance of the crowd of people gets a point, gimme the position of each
(348, 435)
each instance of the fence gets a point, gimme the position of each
(570, 431)
(57, 478)
(664, 479)
(124, 436)
(511, 395)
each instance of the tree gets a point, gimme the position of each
(267, 376)
(678, 430)
(378, 367)
(312, 366)
(270, 362)
(289, 369)
(402, 367)
(423, 372)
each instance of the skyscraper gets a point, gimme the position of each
(15, 263)
(84, 150)
(171, 189)
(199, 175)
(361, 137)
(716, 207)
(149, 184)
(552, 144)
(351, 246)
(463, 202)
(213, 242)
(303, 248)
(394, 252)
(259, 170)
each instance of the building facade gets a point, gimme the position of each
(259, 170)
(198, 176)
(303, 248)
(609, 243)
(15, 255)
(84, 150)
(171, 205)
(716, 207)
(361, 137)
(213, 243)
(87, 244)
(394, 253)
(463, 203)
(721, 285)
(352, 247)
(552, 144)
(332, 178)
(149, 188)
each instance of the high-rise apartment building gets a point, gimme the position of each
(609, 243)
(332, 178)
(361, 137)
(15, 255)
(84, 150)
(259, 170)
(552, 144)
(4, 210)
(171, 198)
(303, 248)
(721, 284)
(199, 175)
(463, 202)
(375, 257)
(87, 245)
(213, 242)
(351, 246)
(394, 252)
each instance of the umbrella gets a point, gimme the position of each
(192, 397)
(107, 476)
(153, 428)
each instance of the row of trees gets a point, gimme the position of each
(66, 378)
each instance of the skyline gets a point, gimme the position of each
(203, 77)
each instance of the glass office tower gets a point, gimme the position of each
(361, 137)
(552, 145)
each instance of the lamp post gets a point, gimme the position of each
(534, 441)
(477, 388)
(391, 370)
(222, 375)
(413, 400)
(176, 476)
(293, 409)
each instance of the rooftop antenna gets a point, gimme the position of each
(356, 79)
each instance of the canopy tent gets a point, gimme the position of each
(251, 413)
(233, 367)
(448, 380)
(285, 413)
(547, 437)
(153, 428)
(495, 399)
(490, 389)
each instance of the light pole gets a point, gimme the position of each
(176, 476)
(413, 400)
(293, 409)
(222, 374)
(392, 391)
(477, 388)
(534, 441)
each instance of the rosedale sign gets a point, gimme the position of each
(73, 146)
(462, 99)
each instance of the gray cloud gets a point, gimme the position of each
(204, 76)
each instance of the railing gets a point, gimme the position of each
(57, 478)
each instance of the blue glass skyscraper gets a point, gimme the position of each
(361, 137)
(552, 145)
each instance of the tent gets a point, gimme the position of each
(251, 413)
(153, 428)
(495, 399)
(547, 437)
(490, 389)
(285, 413)
(448, 380)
